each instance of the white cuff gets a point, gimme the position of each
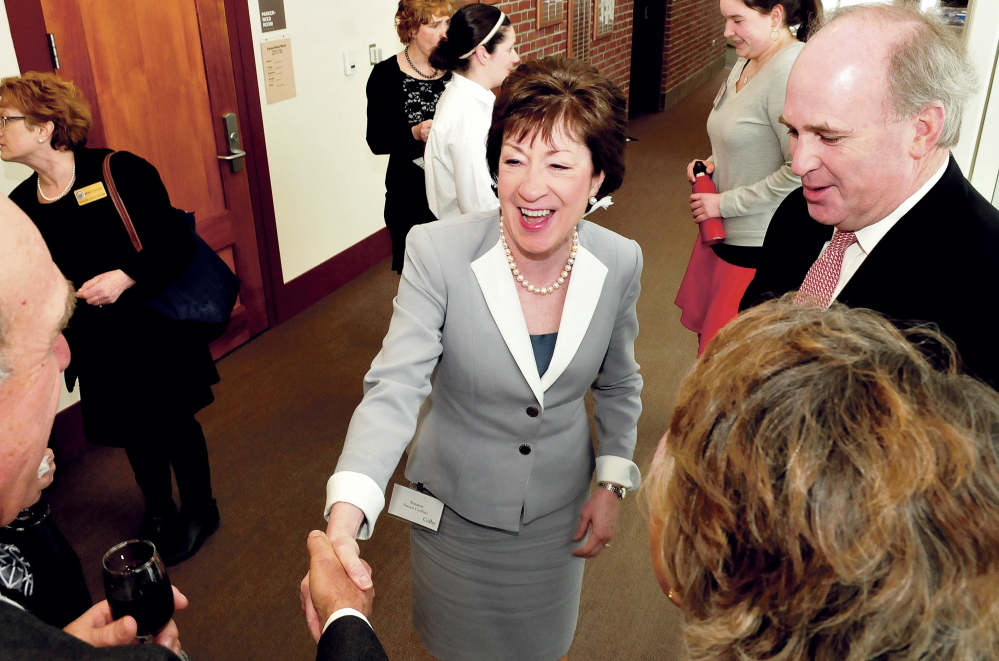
(345, 611)
(359, 490)
(619, 471)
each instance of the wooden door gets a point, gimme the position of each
(159, 76)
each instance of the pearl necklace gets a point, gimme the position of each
(433, 75)
(523, 281)
(65, 190)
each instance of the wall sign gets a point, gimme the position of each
(272, 15)
(603, 18)
(550, 12)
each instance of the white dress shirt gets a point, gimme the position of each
(869, 236)
(457, 177)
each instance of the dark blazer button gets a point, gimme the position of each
(525, 449)
(533, 412)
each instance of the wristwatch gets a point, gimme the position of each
(620, 491)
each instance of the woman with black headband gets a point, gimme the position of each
(479, 49)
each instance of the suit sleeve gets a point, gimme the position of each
(397, 384)
(387, 130)
(167, 247)
(617, 389)
(350, 638)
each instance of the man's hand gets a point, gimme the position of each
(104, 289)
(327, 588)
(96, 627)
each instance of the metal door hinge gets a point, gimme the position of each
(53, 51)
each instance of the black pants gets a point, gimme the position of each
(179, 443)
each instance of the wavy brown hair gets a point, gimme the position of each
(829, 492)
(44, 97)
(551, 94)
(414, 13)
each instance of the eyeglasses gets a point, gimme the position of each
(4, 120)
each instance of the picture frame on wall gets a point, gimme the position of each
(551, 12)
(603, 18)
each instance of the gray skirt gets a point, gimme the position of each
(482, 594)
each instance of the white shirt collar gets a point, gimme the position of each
(472, 88)
(869, 236)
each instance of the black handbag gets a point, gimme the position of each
(206, 291)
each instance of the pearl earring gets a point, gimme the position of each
(592, 200)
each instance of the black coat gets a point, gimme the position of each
(389, 131)
(939, 264)
(23, 637)
(136, 367)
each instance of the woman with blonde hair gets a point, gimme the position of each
(829, 490)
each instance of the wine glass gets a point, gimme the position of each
(136, 584)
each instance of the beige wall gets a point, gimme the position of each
(328, 188)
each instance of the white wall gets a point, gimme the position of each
(328, 188)
(11, 174)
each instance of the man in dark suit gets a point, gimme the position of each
(36, 301)
(874, 103)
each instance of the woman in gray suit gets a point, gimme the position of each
(505, 321)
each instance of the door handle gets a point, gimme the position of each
(236, 153)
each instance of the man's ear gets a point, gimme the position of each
(929, 125)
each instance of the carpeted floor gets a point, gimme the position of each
(279, 421)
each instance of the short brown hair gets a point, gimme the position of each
(830, 492)
(414, 13)
(44, 97)
(549, 94)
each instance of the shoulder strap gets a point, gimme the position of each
(119, 205)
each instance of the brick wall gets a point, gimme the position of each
(695, 46)
(610, 54)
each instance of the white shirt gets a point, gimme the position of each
(869, 236)
(457, 176)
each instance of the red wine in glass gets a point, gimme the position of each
(136, 584)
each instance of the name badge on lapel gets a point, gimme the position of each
(416, 507)
(90, 193)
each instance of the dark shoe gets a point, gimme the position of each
(156, 526)
(190, 533)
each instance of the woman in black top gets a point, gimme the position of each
(402, 95)
(142, 375)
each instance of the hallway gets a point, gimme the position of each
(282, 411)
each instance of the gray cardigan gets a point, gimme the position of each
(750, 148)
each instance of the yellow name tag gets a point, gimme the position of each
(90, 193)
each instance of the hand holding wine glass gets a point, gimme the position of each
(139, 590)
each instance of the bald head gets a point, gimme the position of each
(35, 302)
(920, 59)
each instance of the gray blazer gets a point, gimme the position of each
(496, 438)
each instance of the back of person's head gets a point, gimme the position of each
(552, 94)
(414, 13)
(469, 28)
(806, 14)
(927, 62)
(44, 97)
(830, 492)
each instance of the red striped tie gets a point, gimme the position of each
(822, 278)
